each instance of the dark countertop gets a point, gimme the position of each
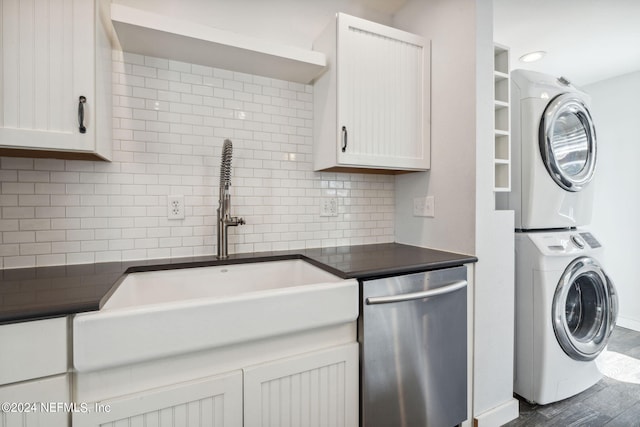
(43, 292)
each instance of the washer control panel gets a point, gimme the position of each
(591, 241)
(577, 240)
(559, 243)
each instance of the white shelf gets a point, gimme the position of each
(502, 177)
(151, 34)
(502, 120)
(501, 60)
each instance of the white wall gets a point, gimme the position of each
(450, 25)
(461, 179)
(169, 121)
(495, 293)
(614, 104)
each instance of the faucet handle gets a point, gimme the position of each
(232, 221)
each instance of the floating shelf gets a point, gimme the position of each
(151, 34)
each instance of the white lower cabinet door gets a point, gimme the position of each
(313, 389)
(36, 403)
(212, 402)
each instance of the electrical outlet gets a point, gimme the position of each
(329, 206)
(175, 207)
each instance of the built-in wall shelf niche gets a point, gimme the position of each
(151, 34)
(502, 120)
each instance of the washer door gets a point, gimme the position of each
(584, 310)
(567, 141)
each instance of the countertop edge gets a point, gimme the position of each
(373, 274)
(318, 257)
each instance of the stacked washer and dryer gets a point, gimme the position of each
(566, 305)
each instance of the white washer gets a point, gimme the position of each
(566, 309)
(553, 153)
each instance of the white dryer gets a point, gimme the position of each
(566, 308)
(553, 153)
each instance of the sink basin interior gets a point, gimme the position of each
(164, 286)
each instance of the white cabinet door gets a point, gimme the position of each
(370, 105)
(37, 403)
(313, 389)
(212, 402)
(48, 60)
(380, 95)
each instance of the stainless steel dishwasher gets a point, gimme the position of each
(413, 339)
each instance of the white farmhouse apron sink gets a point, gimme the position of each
(164, 313)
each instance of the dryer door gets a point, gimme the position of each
(584, 309)
(567, 141)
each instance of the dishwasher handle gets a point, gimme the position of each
(447, 289)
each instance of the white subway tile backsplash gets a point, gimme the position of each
(169, 122)
(18, 237)
(82, 258)
(64, 247)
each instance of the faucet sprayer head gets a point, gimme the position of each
(225, 165)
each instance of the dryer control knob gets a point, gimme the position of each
(563, 80)
(577, 240)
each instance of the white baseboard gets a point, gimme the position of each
(628, 323)
(500, 415)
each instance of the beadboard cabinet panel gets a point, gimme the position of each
(370, 104)
(380, 96)
(53, 53)
(212, 402)
(37, 403)
(314, 389)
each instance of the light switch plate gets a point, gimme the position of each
(424, 206)
(430, 207)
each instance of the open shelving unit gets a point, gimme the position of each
(151, 34)
(502, 120)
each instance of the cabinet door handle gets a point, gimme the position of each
(81, 102)
(344, 139)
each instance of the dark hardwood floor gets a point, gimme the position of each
(612, 402)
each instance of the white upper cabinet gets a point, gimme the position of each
(369, 105)
(53, 54)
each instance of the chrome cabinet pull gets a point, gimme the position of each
(344, 139)
(81, 102)
(418, 295)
